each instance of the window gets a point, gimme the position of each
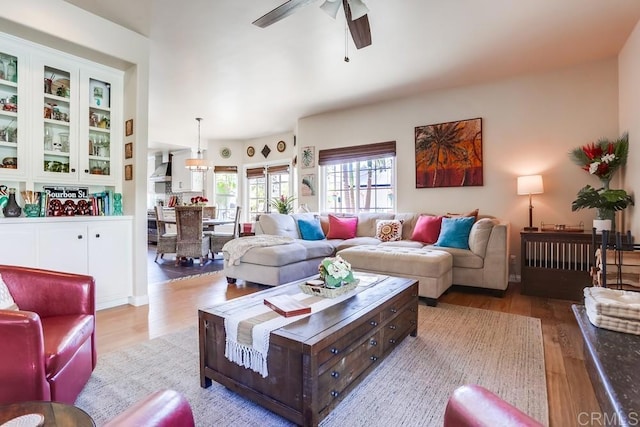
(359, 179)
(265, 184)
(226, 191)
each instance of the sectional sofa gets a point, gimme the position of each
(483, 263)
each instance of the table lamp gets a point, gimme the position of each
(530, 184)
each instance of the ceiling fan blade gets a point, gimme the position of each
(359, 28)
(280, 12)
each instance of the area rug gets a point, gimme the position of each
(455, 345)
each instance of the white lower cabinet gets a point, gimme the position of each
(17, 245)
(100, 247)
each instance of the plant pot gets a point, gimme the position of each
(602, 224)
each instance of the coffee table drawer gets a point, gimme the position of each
(392, 308)
(397, 328)
(347, 369)
(337, 349)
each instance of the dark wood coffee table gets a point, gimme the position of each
(316, 361)
(55, 414)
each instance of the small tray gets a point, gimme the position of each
(328, 292)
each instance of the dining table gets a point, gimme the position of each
(208, 224)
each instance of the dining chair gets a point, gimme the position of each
(166, 241)
(219, 239)
(191, 242)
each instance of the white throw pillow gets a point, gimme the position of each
(6, 300)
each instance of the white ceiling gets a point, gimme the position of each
(207, 60)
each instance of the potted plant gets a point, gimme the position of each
(602, 159)
(282, 204)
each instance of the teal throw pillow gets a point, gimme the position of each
(310, 229)
(454, 232)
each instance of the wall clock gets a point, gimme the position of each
(281, 146)
(251, 151)
(225, 153)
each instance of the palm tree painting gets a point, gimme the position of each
(449, 154)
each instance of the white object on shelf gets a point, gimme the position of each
(28, 420)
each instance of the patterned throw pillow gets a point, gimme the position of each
(6, 300)
(388, 230)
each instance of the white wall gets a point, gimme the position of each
(629, 105)
(529, 125)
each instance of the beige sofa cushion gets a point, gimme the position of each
(479, 236)
(367, 223)
(279, 225)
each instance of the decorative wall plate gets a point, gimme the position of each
(251, 151)
(225, 153)
(281, 146)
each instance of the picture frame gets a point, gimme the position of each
(128, 127)
(128, 172)
(308, 157)
(308, 187)
(449, 154)
(128, 150)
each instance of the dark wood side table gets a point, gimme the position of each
(612, 360)
(555, 264)
(55, 414)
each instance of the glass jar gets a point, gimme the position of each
(12, 71)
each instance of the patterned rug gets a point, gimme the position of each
(455, 345)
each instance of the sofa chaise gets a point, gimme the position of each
(483, 263)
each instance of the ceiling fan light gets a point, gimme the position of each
(358, 9)
(331, 7)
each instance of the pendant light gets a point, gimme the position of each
(198, 164)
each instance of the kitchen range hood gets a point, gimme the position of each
(163, 171)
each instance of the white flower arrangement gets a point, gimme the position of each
(335, 272)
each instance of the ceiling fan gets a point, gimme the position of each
(354, 10)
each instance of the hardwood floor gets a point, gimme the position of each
(173, 306)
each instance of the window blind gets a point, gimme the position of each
(334, 156)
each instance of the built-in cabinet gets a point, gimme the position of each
(182, 179)
(73, 108)
(98, 246)
(13, 85)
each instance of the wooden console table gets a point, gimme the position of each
(556, 264)
(612, 360)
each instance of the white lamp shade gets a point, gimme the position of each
(530, 184)
(197, 164)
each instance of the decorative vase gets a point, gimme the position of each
(12, 209)
(605, 220)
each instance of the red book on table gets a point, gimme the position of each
(286, 305)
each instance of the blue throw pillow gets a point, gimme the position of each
(454, 232)
(310, 229)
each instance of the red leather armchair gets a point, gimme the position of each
(48, 346)
(164, 408)
(475, 406)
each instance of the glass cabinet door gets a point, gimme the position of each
(99, 121)
(58, 115)
(12, 158)
(100, 127)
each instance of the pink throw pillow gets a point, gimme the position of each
(427, 229)
(342, 228)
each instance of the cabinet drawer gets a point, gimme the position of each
(397, 328)
(334, 380)
(393, 307)
(337, 348)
